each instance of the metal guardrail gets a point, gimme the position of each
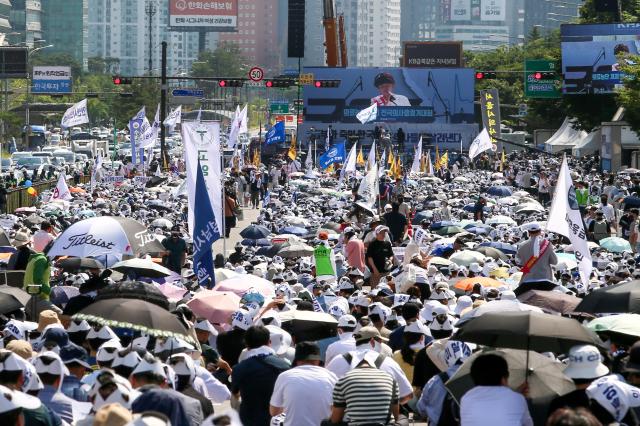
(19, 197)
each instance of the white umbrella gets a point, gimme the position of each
(508, 201)
(162, 223)
(466, 257)
(224, 274)
(529, 207)
(521, 194)
(461, 179)
(499, 219)
(141, 267)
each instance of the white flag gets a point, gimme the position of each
(565, 219)
(77, 114)
(429, 164)
(244, 121)
(327, 141)
(96, 166)
(150, 135)
(174, 117)
(383, 162)
(480, 144)
(308, 162)
(234, 129)
(368, 115)
(415, 166)
(350, 163)
(371, 158)
(368, 189)
(61, 192)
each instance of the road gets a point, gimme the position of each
(250, 215)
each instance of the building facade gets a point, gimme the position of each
(119, 29)
(25, 18)
(65, 27)
(548, 15)
(259, 35)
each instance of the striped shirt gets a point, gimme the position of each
(366, 393)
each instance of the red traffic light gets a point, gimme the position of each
(222, 83)
(269, 83)
(479, 75)
(116, 80)
(537, 76)
(318, 84)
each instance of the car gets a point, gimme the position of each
(55, 139)
(6, 163)
(32, 163)
(20, 154)
(68, 155)
(46, 154)
(58, 161)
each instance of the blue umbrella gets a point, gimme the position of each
(500, 191)
(61, 294)
(255, 232)
(419, 217)
(503, 247)
(295, 230)
(438, 225)
(262, 242)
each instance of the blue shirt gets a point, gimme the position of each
(433, 395)
(58, 402)
(72, 387)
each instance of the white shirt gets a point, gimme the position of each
(495, 406)
(340, 367)
(346, 344)
(609, 213)
(41, 239)
(305, 393)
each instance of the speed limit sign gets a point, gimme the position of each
(256, 74)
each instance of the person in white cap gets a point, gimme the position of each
(611, 400)
(185, 370)
(585, 366)
(15, 406)
(51, 370)
(536, 256)
(379, 254)
(346, 326)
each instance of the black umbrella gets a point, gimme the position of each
(12, 299)
(71, 264)
(134, 314)
(33, 220)
(255, 232)
(4, 238)
(526, 330)
(308, 325)
(134, 290)
(619, 298)
(155, 181)
(551, 301)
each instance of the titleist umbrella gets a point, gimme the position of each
(106, 235)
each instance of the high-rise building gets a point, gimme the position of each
(260, 34)
(548, 15)
(65, 26)
(372, 30)
(5, 25)
(418, 18)
(314, 54)
(25, 18)
(119, 29)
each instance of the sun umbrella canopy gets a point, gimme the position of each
(497, 306)
(491, 252)
(526, 330)
(75, 263)
(141, 268)
(466, 284)
(134, 290)
(615, 244)
(466, 257)
(499, 219)
(500, 191)
(295, 230)
(551, 301)
(439, 261)
(134, 314)
(255, 232)
(627, 324)
(224, 273)
(61, 294)
(529, 208)
(216, 306)
(296, 250)
(244, 283)
(12, 299)
(618, 298)
(105, 235)
(308, 325)
(544, 376)
(162, 223)
(449, 230)
(505, 248)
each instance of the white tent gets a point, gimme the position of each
(588, 145)
(565, 138)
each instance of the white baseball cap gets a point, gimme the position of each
(381, 228)
(347, 321)
(12, 400)
(241, 319)
(624, 396)
(585, 363)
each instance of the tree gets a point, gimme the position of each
(96, 65)
(629, 96)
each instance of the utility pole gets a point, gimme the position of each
(163, 105)
(150, 9)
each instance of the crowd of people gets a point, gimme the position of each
(331, 311)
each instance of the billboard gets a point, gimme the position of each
(493, 10)
(543, 88)
(591, 56)
(50, 79)
(460, 10)
(210, 16)
(403, 95)
(432, 54)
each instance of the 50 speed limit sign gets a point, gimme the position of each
(256, 74)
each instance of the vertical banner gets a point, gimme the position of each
(137, 127)
(490, 106)
(202, 142)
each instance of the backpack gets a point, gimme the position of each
(450, 414)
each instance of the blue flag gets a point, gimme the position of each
(275, 134)
(137, 126)
(205, 232)
(336, 154)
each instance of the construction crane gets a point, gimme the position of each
(343, 42)
(330, 34)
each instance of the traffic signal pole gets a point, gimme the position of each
(163, 105)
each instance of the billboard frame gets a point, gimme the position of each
(459, 45)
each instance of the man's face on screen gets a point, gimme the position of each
(385, 89)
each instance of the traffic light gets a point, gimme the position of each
(486, 75)
(118, 80)
(326, 83)
(231, 83)
(544, 75)
(280, 82)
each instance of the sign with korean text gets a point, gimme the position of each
(432, 54)
(186, 15)
(490, 106)
(306, 79)
(546, 88)
(51, 79)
